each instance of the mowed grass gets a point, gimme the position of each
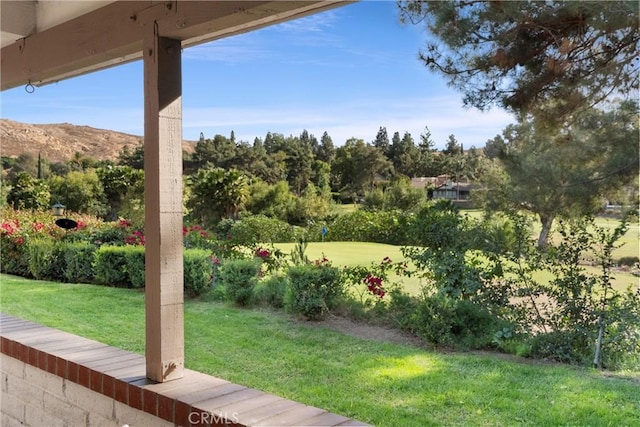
(627, 246)
(379, 383)
(352, 254)
(364, 253)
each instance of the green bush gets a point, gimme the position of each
(14, 259)
(402, 309)
(78, 259)
(252, 229)
(110, 266)
(453, 322)
(239, 277)
(314, 289)
(271, 291)
(562, 346)
(134, 256)
(43, 257)
(198, 271)
(366, 226)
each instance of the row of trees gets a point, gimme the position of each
(552, 172)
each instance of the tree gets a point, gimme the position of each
(404, 155)
(427, 160)
(326, 150)
(133, 158)
(25, 162)
(217, 194)
(550, 58)
(118, 182)
(217, 152)
(452, 147)
(568, 172)
(382, 141)
(28, 192)
(357, 165)
(79, 191)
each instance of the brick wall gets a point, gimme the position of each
(33, 397)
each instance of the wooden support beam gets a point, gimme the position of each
(164, 301)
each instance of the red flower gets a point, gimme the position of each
(262, 253)
(374, 285)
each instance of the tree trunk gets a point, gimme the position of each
(543, 238)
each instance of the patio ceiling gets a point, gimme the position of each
(47, 41)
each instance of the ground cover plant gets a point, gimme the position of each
(375, 382)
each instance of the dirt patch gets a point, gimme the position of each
(367, 331)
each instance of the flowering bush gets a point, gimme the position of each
(136, 238)
(262, 253)
(16, 230)
(195, 236)
(372, 283)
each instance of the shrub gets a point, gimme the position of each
(239, 277)
(271, 291)
(134, 256)
(110, 266)
(314, 289)
(198, 271)
(460, 323)
(402, 308)
(252, 229)
(43, 257)
(366, 226)
(562, 346)
(78, 259)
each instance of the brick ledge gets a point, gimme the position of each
(121, 375)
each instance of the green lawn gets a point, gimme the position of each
(383, 384)
(364, 253)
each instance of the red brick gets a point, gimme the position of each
(22, 352)
(33, 356)
(84, 376)
(165, 408)
(95, 380)
(72, 371)
(51, 364)
(135, 396)
(108, 386)
(149, 402)
(42, 360)
(61, 367)
(182, 411)
(120, 393)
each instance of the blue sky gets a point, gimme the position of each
(347, 71)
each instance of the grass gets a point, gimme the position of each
(358, 253)
(379, 383)
(363, 253)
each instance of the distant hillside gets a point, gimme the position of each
(59, 142)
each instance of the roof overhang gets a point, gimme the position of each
(47, 41)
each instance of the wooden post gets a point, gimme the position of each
(163, 208)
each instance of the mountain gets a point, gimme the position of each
(59, 142)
